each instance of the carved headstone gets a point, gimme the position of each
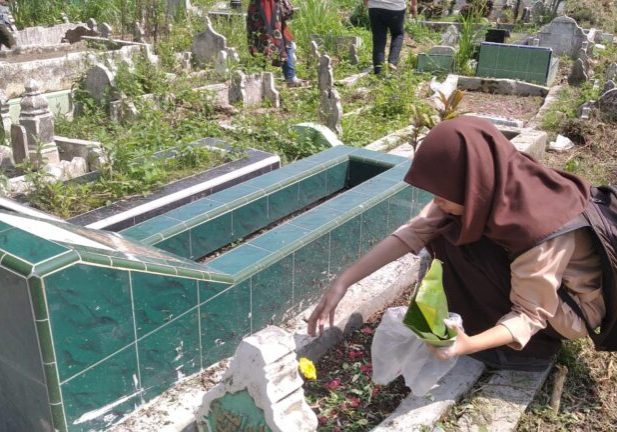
(582, 55)
(563, 35)
(91, 23)
(354, 59)
(526, 15)
(38, 123)
(325, 75)
(99, 83)
(314, 49)
(611, 72)
(19, 143)
(261, 390)
(608, 103)
(331, 110)
(5, 119)
(207, 44)
(232, 55)
(578, 73)
(270, 92)
(451, 36)
(220, 66)
(237, 88)
(105, 30)
(139, 34)
(534, 42)
(608, 85)
(252, 90)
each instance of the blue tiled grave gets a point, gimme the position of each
(521, 62)
(95, 323)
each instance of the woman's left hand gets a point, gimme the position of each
(461, 345)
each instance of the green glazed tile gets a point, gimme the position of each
(269, 180)
(90, 313)
(250, 217)
(212, 235)
(238, 193)
(57, 414)
(336, 178)
(336, 152)
(317, 217)
(375, 186)
(311, 271)
(127, 264)
(46, 346)
(169, 354)
(348, 201)
(344, 245)
(151, 227)
(374, 226)
(18, 265)
(225, 320)
(53, 383)
(312, 188)
(208, 289)
(55, 263)
(376, 157)
(160, 268)
(237, 260)
(95, 258)
(272, 294)
(38, 298)
(159, 299)
(179, 244)
(195, 209)
(399, 208)
(28, 247)
(104, 385)
(280, 237)
(283, 202)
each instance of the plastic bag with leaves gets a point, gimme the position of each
(400, 342)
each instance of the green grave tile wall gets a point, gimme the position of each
(23, 399)
(526, 63)
(434, 63)
(272, 294)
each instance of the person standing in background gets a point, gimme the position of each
(384, 16)
(6, 38)
(269, 34)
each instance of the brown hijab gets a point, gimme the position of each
(508, 196)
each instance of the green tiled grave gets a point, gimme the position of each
(434, 63)
(96, 323)
(521, 62)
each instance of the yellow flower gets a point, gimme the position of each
(307, 368)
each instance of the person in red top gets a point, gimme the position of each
(269, 35)
(494, 223)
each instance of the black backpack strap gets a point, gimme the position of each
(567, 299)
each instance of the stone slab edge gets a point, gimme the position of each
(417, 413)
(501, 86)
(501, 402)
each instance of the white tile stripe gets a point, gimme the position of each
(144, 208)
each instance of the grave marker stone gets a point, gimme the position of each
(38, 123)
(331, 110)
(608, 103)
(526, 15)
(611, 72)
(578, 73)
(139, 34)
(106, 30)
(19, 143)
(251, 90)
(451, 36)
(354, 59)
(608, 85)
(220, 65)
(261, 391)
(314, 50)
(563, 35)
(325, 75)
(99, 82)
(74, 35)
(207, 44)
(92, 25)
(5, 118)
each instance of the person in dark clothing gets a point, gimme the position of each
(6, 36)
(490, 223)
(387, 16)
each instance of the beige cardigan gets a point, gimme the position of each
(536, 275)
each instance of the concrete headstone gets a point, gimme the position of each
(609, 85)
(74, 35)
(354, 59)
(331, 110)
(325, 75)
(611, 72)
(608, 103)
(19, 143)
(314, 50)
(105, 30)
(100, 82)
(92, 25)
(207, 44)
(220, 66)
(139, 34)
(38, 122)
(269, 91)
(443, 50)
(578, 73)
(563, 35)
(261, 390)
(451, 36)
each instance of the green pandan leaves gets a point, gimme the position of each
(429, 308)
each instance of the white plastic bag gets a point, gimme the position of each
(396, 350)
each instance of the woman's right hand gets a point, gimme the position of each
(324, 311)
